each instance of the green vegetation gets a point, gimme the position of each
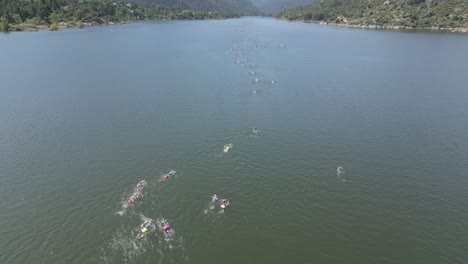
(4, 26)
(54, 26)
(29, 15)
(277, 6)
(385, 13)
(227, 6)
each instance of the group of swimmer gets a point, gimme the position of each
(148, 226)
(138, 192)
(229, 146)
(142, 184)
(223, 203)
(242, 61)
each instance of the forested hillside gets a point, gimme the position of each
(385, 13)
(276, 6)
(40, 14)
(233, 6)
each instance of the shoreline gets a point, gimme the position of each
(396, 28)
(24, 27)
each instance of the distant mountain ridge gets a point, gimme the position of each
(231, 6)
(446, 14)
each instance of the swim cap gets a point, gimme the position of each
(144, 230)
(223, 206)
(129, 201)
(166, 227)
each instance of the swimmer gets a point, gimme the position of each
(165, 225)
(227, 147)
(255, 130)
(146, 223)
(144, 228)
(169, 175)
(339, 171)
(214, 200)
(137, 193)
(256, 80)
(140, 186)
(133, 197)
(224, 203)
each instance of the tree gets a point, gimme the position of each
(4, 26)
(17, 19)
(54, 26)
(186, 14)
(55, 17)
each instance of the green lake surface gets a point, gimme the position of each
(86, 114)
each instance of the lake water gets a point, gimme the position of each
(86, 114)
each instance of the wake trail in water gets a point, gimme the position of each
(170, 244)
(216, 206)
(340, 171)
(137, 193)
(123, 247)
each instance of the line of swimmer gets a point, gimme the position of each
(243, 61)
(163, 225)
